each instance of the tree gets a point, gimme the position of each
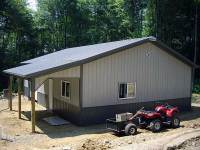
(17, 38)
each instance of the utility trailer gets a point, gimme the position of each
(122, 125)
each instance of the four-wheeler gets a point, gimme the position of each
(163, 114)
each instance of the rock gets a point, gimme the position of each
(129, 142)
(17, 135)
(84, 146)
(143, 140)
(106, 141)
(109, 146)
(66, 148)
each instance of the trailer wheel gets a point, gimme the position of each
(130, 129)
(155, 125)
(175, 122)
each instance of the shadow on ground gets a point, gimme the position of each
(69, 130)
(191, 115)
(72, 130)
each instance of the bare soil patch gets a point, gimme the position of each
(94, 137)
(193, 143)
(196, 98)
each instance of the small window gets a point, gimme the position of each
(65, 89)
(127, 90)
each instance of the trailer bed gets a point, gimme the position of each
(116, 126)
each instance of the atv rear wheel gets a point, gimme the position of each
(130, 129)
(155, 125)
(175, 122)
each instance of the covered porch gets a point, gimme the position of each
(47, 93)
(47, 87)
(20, 93)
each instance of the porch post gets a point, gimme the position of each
(33, 105)
(19, 98)
(10, 93)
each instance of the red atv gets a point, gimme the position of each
(163, 115)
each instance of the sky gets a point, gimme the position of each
(32, 4)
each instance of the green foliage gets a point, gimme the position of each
(150, 19)
(196, 88)
(18, 40)
(59, 24)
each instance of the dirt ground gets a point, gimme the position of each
(15, 133)
(193, 144)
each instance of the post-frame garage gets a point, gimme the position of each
(88, 84)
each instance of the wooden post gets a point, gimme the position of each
(19, 97)
(33, 105)
(10, 93)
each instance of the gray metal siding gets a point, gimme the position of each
(72, 73)
(26, 89)
(94, 115)
(41, 94)
(74, 90)
(158, 76)
(42, 83)
(42, 99)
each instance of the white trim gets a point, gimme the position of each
(134, 83)
(68, 98)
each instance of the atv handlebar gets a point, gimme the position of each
(136, 113)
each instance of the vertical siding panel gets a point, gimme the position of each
(151, 73)
(96, 79)
(106, 90)
(143, 78)
(102, 72)
(146, 58)
(129, 67)
(156, 68)
(91, 82)
(139, 90)
(115, 84)
(136, 70)
(109, 82)
(126, 66)
(85, 84)
(159, 76)
(140, 72)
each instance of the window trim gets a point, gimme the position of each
(134, 83)
(68, 98)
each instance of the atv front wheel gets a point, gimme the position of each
(130, 129)
(175, 122)
(155, 125)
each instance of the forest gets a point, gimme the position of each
(59, 24)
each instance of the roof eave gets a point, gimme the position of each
(174, 53)
(14, 74)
